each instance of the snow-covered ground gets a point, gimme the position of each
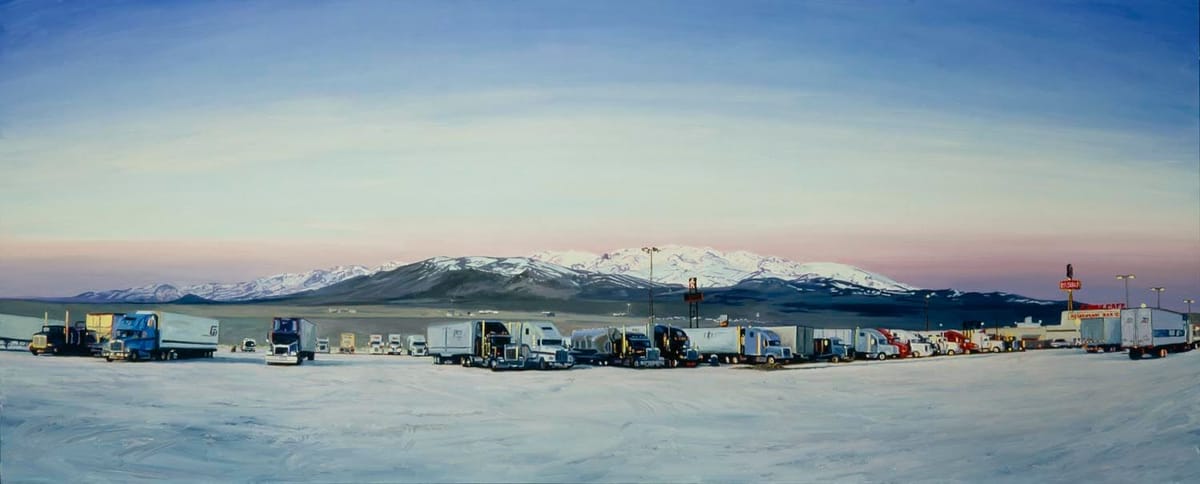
(1044, 416)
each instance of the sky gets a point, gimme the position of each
(973, 145)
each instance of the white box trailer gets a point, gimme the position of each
(1100, 334)
(291, 341)
(1154, 332)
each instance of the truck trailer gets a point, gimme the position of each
(738, 344)
(159, 335)
(292, 340)
(415, 345)
(102, 324)
(346, 343)
(1157, 332)
(468, 343)
(801, 339)
(1100, 335)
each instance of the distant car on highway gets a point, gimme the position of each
(1060, 343)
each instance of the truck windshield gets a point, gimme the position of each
(772, 342)
(552, 342)
(128, 333)
(419, 343)
(284, 338)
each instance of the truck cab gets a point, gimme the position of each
(58, 339)
(416, 345)
(135, 337)
(765, 346)
(547, 345)
(292, 340)
(395, 344)
(375, 345)
(901, 345)
(871, 344)
(323, 345)
(675, 346)
(635, 350)
(918, 345)
(833, 350)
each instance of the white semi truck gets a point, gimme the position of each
(416, 345)
(375, 345)
(468, 343)
(546, 344)
(395, 344)
(740, 344)
(292, 340)
(872, 345)
(1157, 332)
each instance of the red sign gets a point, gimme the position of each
(1070, 285)
(1103, 306)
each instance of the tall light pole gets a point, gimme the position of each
(1189, 302)
(1159, 291)
(927, 296)
(651, 250)
(1126, 278)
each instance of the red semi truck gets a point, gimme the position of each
(905, 348)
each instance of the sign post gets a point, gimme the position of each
(1070, 284)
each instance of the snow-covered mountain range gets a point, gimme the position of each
(674, 264)
(270, 286)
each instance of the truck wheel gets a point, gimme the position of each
(995, 349)
(311, 356)
(108, 359)
(770, 360)
(834, 359)
(1162, 353)
(1134, 354)
(299, 360)
(882, 357)
(544, 365)
(949, 352)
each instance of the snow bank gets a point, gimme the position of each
(1046, 416)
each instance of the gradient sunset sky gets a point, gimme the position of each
(973, 145)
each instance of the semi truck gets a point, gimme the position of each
(346, 343)
(292, 340)
(738, 344)
(63, 340)
(918, 346)
(615, 346)
(375, 345)
(547, 345)
(901, 345)
(675, 346)
(1100, 335)
(395, 344)
(872, 345)
(941, 344)
(160, 335)
(323, 345)
(468, 343)
(801, 339)
(416, 345)
(1157, 332)
(966, 345)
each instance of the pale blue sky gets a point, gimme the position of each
(976, 144)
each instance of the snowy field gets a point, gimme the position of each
(1040, 416)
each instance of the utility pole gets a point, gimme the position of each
(927, 296)
(651, 250)
(1126, 278)
(1158, 291)
(1189, 302)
